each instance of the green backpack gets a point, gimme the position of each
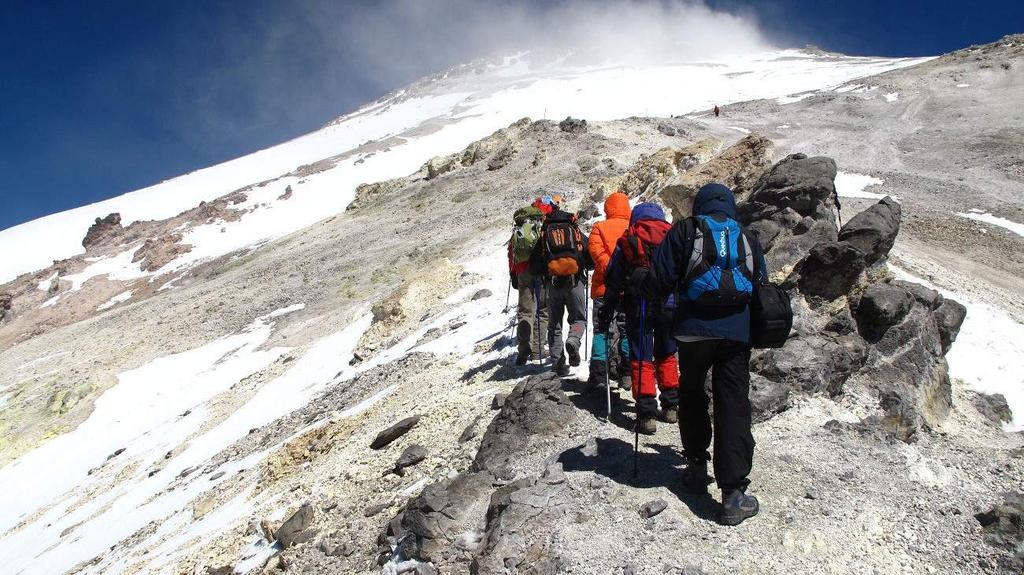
(528, 222)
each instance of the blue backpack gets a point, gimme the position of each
(721, 267)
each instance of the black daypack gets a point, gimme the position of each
(563, 247)
(771, 316)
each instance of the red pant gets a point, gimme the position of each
(649, 378)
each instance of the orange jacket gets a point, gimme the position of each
(604, 236)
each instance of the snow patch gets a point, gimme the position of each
(892, 96)
(980, 216)
(50, 302)
(46, 284)
(121, 297)
(794, 98)
(852, 185)
(739, 129)
(963, 85)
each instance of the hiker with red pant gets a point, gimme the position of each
(648, 323)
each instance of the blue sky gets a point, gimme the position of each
(101, 98)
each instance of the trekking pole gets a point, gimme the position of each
(508, 294)
(639, 384)
(607, 366)
(586, 314)
(536, 317)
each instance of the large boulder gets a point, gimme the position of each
(874, 230)
(830, 270)
(805, 185)
(536, 409)
(6, 300)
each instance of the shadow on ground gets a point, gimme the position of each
(657, 466)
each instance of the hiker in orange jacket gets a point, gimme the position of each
(603, 238)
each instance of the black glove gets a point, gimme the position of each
(643, 284)
(514, 278)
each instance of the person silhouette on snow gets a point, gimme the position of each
(560, 258)
(712, 329)
(652, 350)
(612, 354)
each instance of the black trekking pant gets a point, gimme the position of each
(730, 385)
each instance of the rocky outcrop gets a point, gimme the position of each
(852, 323)
(572, 125)
(535, 409)
(103, 230)
(477, 519)
(6, 300)
(155, 253)
(739, 166)
(1003, 526)
(792, 209)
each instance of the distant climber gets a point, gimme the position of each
(652, 350)
(532, 315)
(717, 110)
(611, 355)
(711, 265)
(561, 258)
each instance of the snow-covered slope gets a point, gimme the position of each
(433, 117)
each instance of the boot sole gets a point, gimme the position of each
(574, 355)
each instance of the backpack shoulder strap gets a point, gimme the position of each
(695, 228)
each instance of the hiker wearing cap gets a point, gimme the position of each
(648, 319)
(608, 355)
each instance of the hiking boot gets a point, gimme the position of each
(597, 374)
(648, 425)
(561, 368)
(737, 506)
(626, 383)
(572, 349)
(695, 476)
(670, 414)
(522, 358)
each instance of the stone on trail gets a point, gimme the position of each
(411, 456)
(481, 294)
(392, 433)
(292, 530)
(498, 400)
(652, 508)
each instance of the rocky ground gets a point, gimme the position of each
(869, 458)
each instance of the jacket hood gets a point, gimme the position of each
(647, 211)
(617, 206)
(715, 199)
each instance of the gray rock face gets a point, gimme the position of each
(874, 230)
(950, 315)
(1003, 526)
(882, 306)
(804, 185)
(993, 407)
(293, 530)
(392, 433)
(830, 270)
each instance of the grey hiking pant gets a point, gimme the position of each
(531, 288)
(566, 294)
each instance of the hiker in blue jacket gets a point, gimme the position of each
(712, 328)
